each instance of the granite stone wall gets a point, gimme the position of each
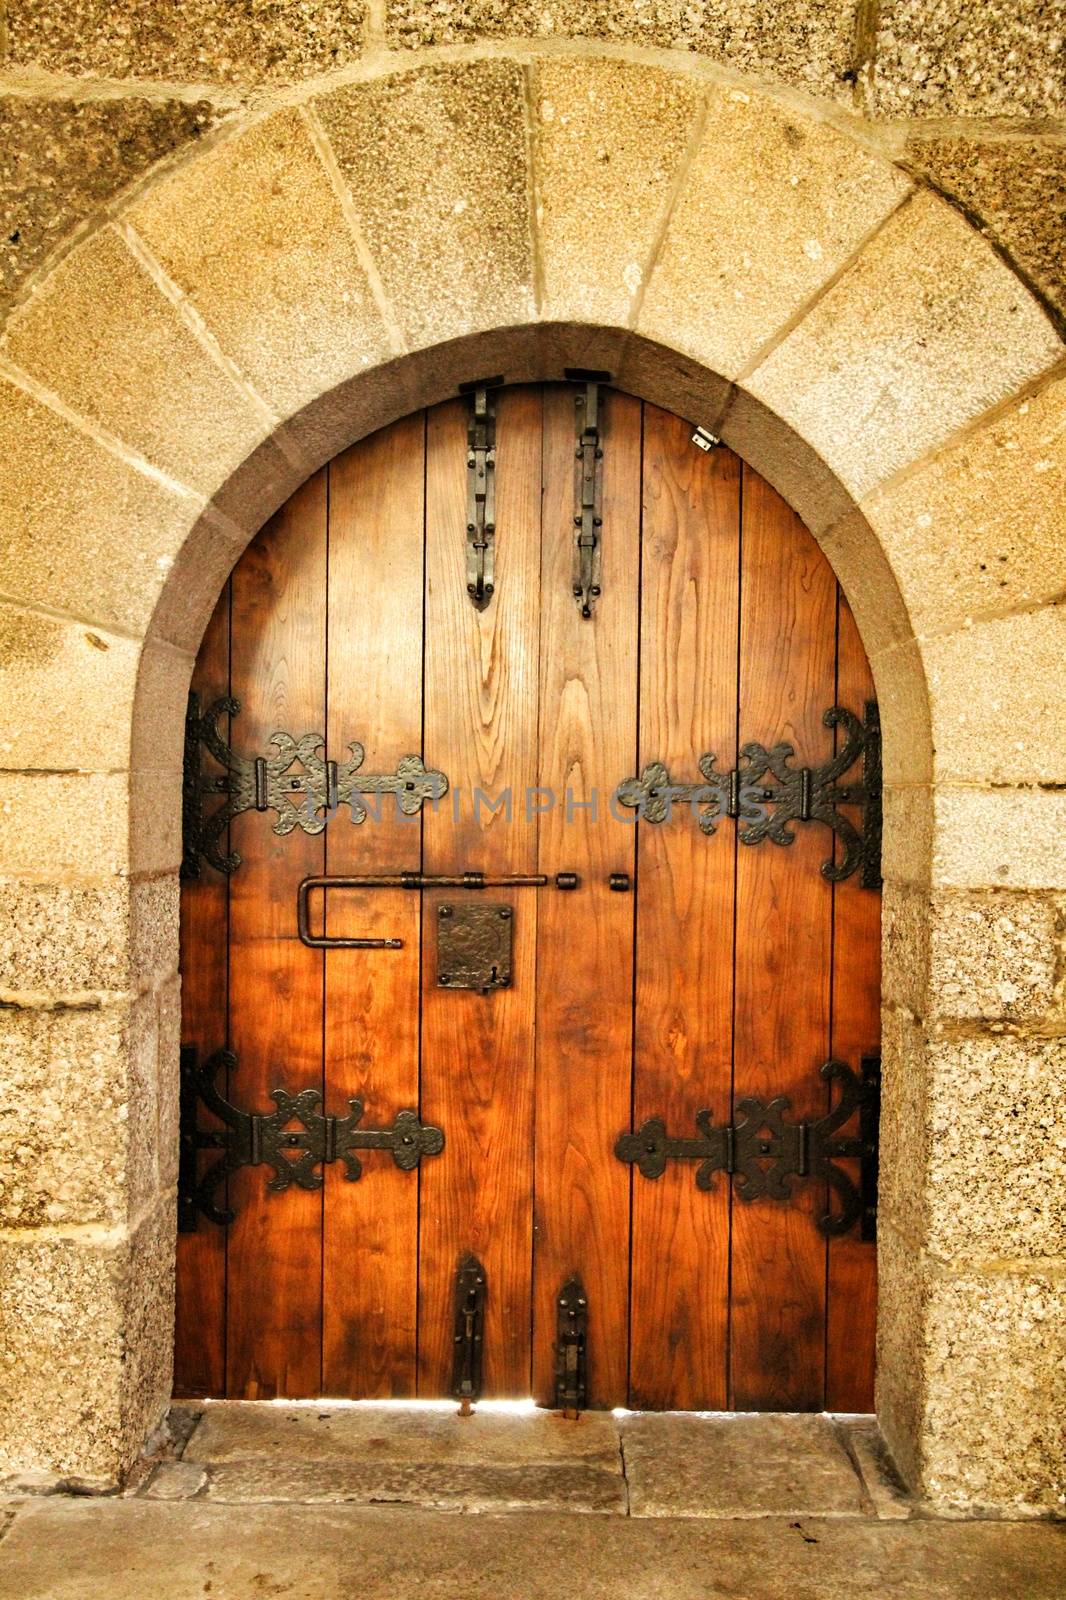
(971, 99)
(220, 222)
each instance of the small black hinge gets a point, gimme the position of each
(471, 1292)
(571, 1348)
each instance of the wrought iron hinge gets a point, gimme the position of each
(764, 1155)
(471, 1292)
(481, 491)
(304, 798)
(797, 794)
(571, 1348)
(255, 1138)
(588, 500)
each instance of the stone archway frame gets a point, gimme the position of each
(350, 252)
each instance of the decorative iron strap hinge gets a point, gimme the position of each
(571, 1348)
(481, 491)
(764, 1155)
(588, 517)
(797, 794)
(303, 799)
(255, 1138)
(471, 1293)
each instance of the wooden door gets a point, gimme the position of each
(357, 1121)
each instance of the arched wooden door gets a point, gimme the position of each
(704, 958)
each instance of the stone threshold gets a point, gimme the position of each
(506, 1459)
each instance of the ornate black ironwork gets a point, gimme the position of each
(571, 1348)
(255, 1138)
(481, 493)
(588, 518)
(302, 798)
(764, 1154)
(471, 1293)
(798, 794)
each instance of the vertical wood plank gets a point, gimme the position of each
(852, 1286)
(374, 695)
(685, 882)
(200, 1291)
(477, 1050)
(274, 1308)
(784, 919)
(585, 973)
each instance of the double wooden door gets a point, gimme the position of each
(686, 971)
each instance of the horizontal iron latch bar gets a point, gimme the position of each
(409, 880)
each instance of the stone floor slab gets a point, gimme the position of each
(116, 1549)
(437, 1486)
(249, 1430)
(884, 1487)
(680, 1464)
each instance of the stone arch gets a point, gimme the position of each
(354, 251)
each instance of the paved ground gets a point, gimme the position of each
(252, 1502)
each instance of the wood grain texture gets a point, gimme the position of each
(784, 921)
(852, 1285)
(200, 1291)
(274, 1305)
(684, 951)
(348, 615)
(587, 744)
(477, 1050)
(374, 695)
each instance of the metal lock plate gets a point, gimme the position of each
(474, 945)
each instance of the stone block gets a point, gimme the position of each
(228, 41)
(978, 529)
(1015, 186)
(175, 1480)
(907, 847)
(993, 956)
(994, 1366)
(101, 335)
(85, 1335)
(194, 580)
(994, 724)
(157, 742)
(809, 46)
(683, 1465)
(905, 934)
(561, 1487)
(270, 1433)
(771, 207)
(64, 1547)
(999, 838)
(902, 1301)
(78, 1117)
(627, 126)
(75, 940)
(904, 700)
(257, 238)
(65, 687)
(168, 1002)
(998, 59)
(996, 1180)
(56, 825)
(80, 530)
(903, 1197)
(63, 161)
(880, 1477)
(954, 331)
(437, 166)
